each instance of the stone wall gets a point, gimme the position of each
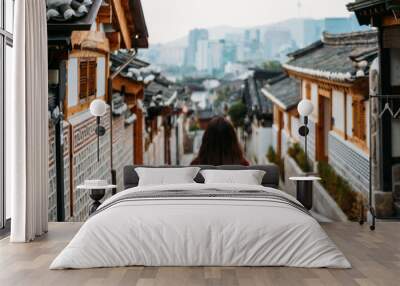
(350, 163)
(84, 159)
(52, 173)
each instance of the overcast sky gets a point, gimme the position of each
(168, 20)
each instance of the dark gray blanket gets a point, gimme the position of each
(206, 194)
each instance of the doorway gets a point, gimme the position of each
(323, 127)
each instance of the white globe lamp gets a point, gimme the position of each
(305, 107)
(98, 107)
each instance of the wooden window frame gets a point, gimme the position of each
(89, 91)
(359, 128)
(308, 91)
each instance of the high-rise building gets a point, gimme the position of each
(276, 41)
(173, 56)
(195, 36)
(210, 56)
(201, 55)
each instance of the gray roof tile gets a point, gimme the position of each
(67, 10)
(338, 53)
(283, 91)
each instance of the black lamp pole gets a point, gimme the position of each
(100, 131)
(303, 131)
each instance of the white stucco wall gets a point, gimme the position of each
(101, 76)
(262, 140)
(72, 82)
(338, 112)
(295, 128)
(349, 121)
(275, 137)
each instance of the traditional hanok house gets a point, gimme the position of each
(385, 88)
(163, 123)
(128, 119)
(81, 37)
(228, 92)
(285, 93)
(333, 74)
(258, 121)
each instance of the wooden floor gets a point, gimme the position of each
(375, 257)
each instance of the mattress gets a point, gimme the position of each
(201, 225)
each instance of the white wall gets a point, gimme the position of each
(338, 112)
(264, 142)
(259, 143)
(349, 121)
(295, 127)
(275, 137)
(285, 120)
(72, 82)
(101, 76)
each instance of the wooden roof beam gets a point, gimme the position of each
(122, 23)
(131, 87)
(105, 14)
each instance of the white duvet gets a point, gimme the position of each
(200, 232)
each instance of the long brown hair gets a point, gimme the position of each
(220, 145)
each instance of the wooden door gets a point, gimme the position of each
(324, 125)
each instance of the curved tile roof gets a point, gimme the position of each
(283, 91)
(336, 56)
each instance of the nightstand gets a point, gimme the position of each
(97, 190)
(304, 189)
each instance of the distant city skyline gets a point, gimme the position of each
(173, 19)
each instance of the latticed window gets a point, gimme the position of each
(87, 78)
(92, 68)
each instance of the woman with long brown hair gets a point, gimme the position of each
(220, 145)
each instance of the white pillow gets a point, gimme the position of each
(166, 176)
(248, 177)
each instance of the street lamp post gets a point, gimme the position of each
(98, 108)
(305, 108)
(304, 192)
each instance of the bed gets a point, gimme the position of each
(198, 224)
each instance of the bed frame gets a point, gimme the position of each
(270, 179)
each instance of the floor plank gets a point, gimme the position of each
(375, 257)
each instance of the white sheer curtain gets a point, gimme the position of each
(27, 123)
